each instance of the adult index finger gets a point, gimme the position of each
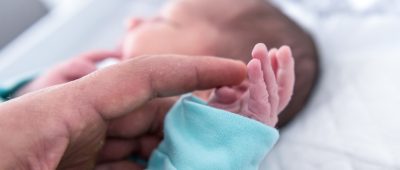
(122, 88)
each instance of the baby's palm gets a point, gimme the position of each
(268, 90)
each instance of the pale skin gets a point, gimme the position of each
(174, 31)
(65, 126)
(77, 140)
(267, 91)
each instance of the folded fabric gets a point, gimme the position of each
(198, 136)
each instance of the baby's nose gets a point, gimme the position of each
(133, 23)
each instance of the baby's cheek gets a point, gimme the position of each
(137, 43)
(128, 48)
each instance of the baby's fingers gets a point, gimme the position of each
(258, 104)
(285, 75)
(260, 52)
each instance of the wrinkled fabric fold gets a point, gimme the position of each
(197, 136)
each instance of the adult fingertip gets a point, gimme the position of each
(238, 62)
(239, 68)
(242, 70)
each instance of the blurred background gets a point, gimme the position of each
(35, 34)
(14, 21)
(353, 119)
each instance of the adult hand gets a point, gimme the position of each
(64, 127)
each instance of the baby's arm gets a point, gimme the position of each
(70, 70)
(268, 90)
(197, 136)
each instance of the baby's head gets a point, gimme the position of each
(226, 28)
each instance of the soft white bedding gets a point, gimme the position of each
(352, 121)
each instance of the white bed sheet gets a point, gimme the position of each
(352, 121)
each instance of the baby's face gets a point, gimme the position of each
(182, 27)
(177, 29)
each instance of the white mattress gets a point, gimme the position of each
(352, 121)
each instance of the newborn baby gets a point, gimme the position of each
(268, 90)
(197, 136)
(225, 28)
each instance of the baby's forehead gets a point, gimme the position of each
(214, 9)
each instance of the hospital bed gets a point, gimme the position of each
(352, 121)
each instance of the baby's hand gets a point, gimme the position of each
(267, 91)
(70, 70)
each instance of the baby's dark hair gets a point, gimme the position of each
(261, 22)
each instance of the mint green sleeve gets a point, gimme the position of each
(197, 136)
(8, 89)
